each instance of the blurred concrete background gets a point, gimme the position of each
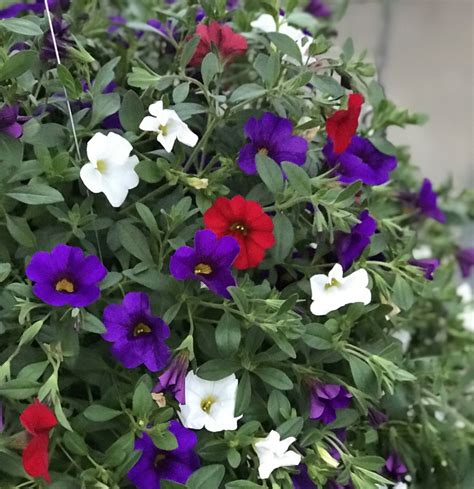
(424, 50)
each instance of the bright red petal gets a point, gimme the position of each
(38, 418)
(35, 457)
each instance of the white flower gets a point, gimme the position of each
(273, 453)
(422, 252)
(266, 23)
(404, 337)
(111, 169)
(168, 127)
(467, 316)
(209, 404)
(332, 291)
(398, 485)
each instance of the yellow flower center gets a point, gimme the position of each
(238, 226)
(207, 403)
(159, 458)
(163, 129)
(263, 151)
(202, 269)
(64, 285)
(141, 328)
(101, 166)
(333, 283)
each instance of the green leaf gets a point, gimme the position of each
(208, 477)
(18, 389)
(188, 51)
(246, 91)
(364, 377)
(270, 173)
(274, 377)
(18, 64)
(24, 27)
(402, 293)
(11, 150)
(328, 86)
(30, 333)
(141, 78)
(278, 406)
(163, 438)
(286, 45)
(71, 84)
(5, 269)
(20, 231)
(228, 335)
(104, 76)
(244, 394)
(99, 414)
(75, 443)
(103, 105)
(209, 68)
(297, 178)
(148, 218)
(131, 112)
(291, 427)
(180, 93)
(369, 462)
(142, 400)
(272, 70)
(284, 237)
(242, 484)
(93, 324)
(217, 369)
(35, 194)
(134, 241)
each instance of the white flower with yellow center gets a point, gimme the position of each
(209, 404)
(110, 169)
(273, 453)
(168, 127)
(333, 291)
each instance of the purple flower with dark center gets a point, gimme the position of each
(271, 136)
(465, 258)
(209, 261)
(173, 378)
(350, 246)
(427, 202)
(318, 8)
(428, 265)
(360, 161)
(157, 465)
(302, 479)
(376, 417)
(137, 335)
(394, 467)
(326, 399)
(9, 121)
(63, 41)
(65, 276)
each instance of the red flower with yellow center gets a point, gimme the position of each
(246, 222)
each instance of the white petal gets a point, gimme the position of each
(119, 150)
(149, 124)
(336, 272)
(167, 141)
(187, 137)
(360, 278)
(156, 108)
(116, 194)
(97, 147)
(265, 23)
(91, 178)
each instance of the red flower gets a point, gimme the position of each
(245, 221)
(228, 43)
(342, 125)
(38, 420)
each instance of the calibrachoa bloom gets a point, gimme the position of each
(209, 404)
(138, 336)
(157, 465)
(394, 467)
(63, 41)
(15, 9)
(245, 221)
(350, 246)
(361, 160)
(65, 276)
(333, 291)
(427, 202)
(210, 261)
(342, 125)
(318, 8)
(173, 378)
(168, 127)
(38, 420)
(465, 258)
(302, 479)
(326, 399)
(273, 453)
(428, 265)
(229, 44)
(335, 485)
(376, 418)
(9, 121)
(111, 169)
(272, 136)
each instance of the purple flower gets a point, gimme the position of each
(465, 258)
(326, 399)
(200, 14)
(138, 336)
(350, 246)
(173, 378)
(167, 29)
(63, 41)
(65, 276)
(156, 465)
(116, 21)
(16, 9)
(394, 467)
(428, 265)
(273, 136)
(360, 161)
(209, 261)
(302, 479)
(427, 202)
(341, 434)
(233, 4)
(9, 121)
(318, 8)
(376, 418)
(334, 485)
